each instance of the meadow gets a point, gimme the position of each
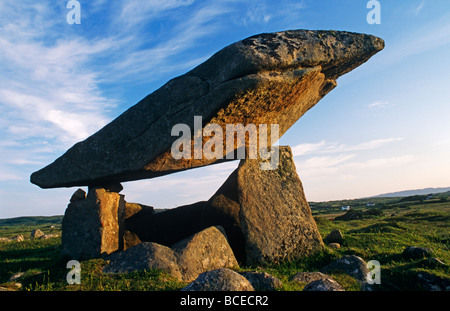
(382, 236)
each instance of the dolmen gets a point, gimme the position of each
(234, 106)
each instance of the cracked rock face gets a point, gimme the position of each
(271, 78)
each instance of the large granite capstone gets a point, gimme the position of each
(271, 78)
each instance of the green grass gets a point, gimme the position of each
(385, 238)
(381, 238)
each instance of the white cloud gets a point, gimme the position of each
(49, 95)
(134, 12)
(261, 13)
(143, 58)
(339, 168)
(49, 87)
(324, 161)
(378, 104)
(381, 163)
(6, 176)
(257, 14)
(327, 161)
(373, 144)
(323, 147)
(307, 148)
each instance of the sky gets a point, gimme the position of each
(385, 127)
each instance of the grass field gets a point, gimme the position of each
(382, 238)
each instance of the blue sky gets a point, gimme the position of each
(384, 128)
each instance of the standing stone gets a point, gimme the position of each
(90, 227)
(78, 195)
(274, 217)
(126, 211)
(35, 234)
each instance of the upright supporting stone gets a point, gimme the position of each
(129, 239)
(90, 227)
(274, 217)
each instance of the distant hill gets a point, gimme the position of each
(31, 220)
(407, 193)
(40, 220)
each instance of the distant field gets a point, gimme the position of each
(24, 225)
(415, 221)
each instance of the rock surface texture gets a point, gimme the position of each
(185, 260)
(262, 281)
(220, 280)
(271, 78)
(204, 251)
(308, 277)
(352, 265)
(144, 256)
(324, 285)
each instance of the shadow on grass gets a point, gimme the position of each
(421, 216)
(383, 227)
(25, 259)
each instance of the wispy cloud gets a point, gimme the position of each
(419, 8)
(135, 12)
(307, 148)
(326, 161)
(323, 147)
(322, 160)
(8, 176)
(334, 167)
(263, 12)
(49, 96)
(50, 86)
(142, 58)
(378, 104)
(258, 13)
